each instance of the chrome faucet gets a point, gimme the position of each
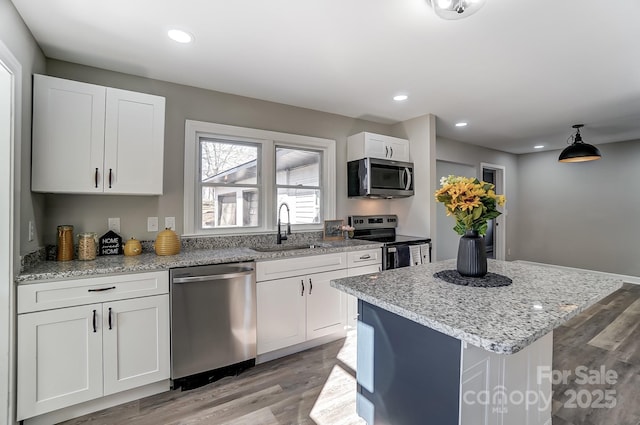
(282, 237)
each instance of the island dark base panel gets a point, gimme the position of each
(416, 371)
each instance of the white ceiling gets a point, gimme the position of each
(521, 72)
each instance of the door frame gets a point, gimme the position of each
(9, 220)
(501, 221)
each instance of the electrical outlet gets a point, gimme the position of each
(509, 251)
(32, 231)
(170, 223)
(152, 224)
(114, 224)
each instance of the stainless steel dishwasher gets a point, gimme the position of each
(213, 322)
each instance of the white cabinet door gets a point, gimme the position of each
(398, 149)
(326, 306)
(59, 359)
(68, 136)
(136, 342)
(281, 313)
(134, 143)
(363, 145)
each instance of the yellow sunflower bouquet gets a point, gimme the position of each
(470, 201)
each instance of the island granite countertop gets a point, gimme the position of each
(149, 261)
(502, 320)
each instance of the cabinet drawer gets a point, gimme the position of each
(297, 266)
(364, 258)
(66, 293)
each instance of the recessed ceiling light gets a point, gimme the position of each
(461, 124)
(400, 97)
(538, 146)
(180, 36)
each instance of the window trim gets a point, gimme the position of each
(267, 186)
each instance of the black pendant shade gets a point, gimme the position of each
(579, 151)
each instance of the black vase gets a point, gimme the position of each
(472, 255)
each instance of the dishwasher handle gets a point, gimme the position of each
(211, 277)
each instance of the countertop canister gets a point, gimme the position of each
(87, 246)
(65, 242)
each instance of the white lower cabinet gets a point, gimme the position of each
(135, 343)
(297, 309)
(352, 302)
(59, 359)
(75, 354)
(296, 302)
(281, 314)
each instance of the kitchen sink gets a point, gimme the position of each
(285, 247)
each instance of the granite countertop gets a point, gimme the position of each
(503, 320)
(149, 261)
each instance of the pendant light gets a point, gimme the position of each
(455, 9)
(578, 151)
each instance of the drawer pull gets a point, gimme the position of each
(110, 327)
(101, 289)
(94, 321)
(365, 257)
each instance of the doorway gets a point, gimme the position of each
(495, 239)
(10, 95)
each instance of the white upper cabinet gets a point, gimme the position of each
(369, 145)
(94, 139)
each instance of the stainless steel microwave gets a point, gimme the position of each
(379, 178)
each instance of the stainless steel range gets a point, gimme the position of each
(398, 250)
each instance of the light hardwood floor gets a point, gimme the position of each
(317, 387)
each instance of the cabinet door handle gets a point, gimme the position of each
(386, 151)
(110, 327)
(310, 286)
(110, 174)
(94, 322)
(302, 283)
(365, 257)
(96, 178)
(391, 149)
(101, 289)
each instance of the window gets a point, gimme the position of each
(236, 178)
(298, 183)
(229, 182)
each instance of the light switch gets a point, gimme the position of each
(152, 224)
(114, 224)
(170, 223)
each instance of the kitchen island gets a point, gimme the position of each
(432, 352)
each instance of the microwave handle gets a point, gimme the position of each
(407, 172)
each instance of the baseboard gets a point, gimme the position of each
(635, 280)
(98, 404)
(276, 354)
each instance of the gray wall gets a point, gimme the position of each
(464, 153)
(90, 212)
(18, 39)
(583, 214)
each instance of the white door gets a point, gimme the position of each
(136, 342)
(326, 306)
(134, 143)
(60, 359)
(68, 136)
(281, 313)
